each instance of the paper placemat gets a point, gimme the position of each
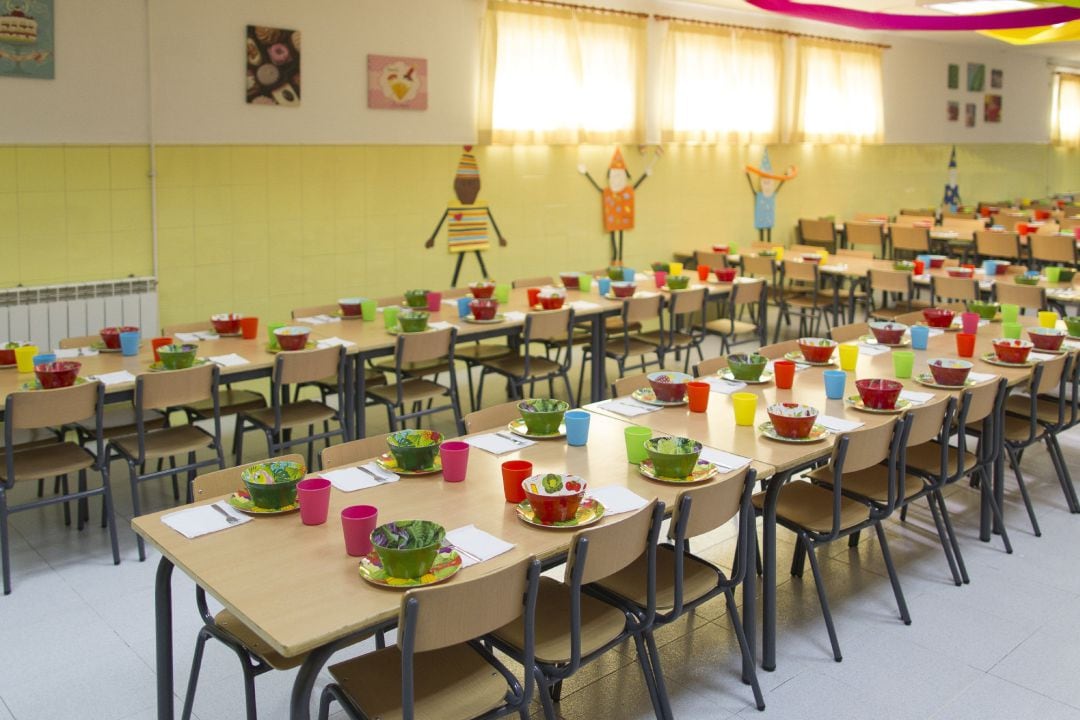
(618, 499)
(838, 424)
(799, 367)
(1035, 355)
(114, 378)
(68, 353)
(354, 478)
(726, 460)
(475, 546)
(500, 443)
(441, 325)
(230, 360)
(318, 319)
(628, 407)
(584, 305)
(916, 397)
(203, 520)
(981, 377)
(722, 386)
(873, 350)
(514, 316)
(334, 342)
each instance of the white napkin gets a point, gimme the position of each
(187, 337)
(584, 305)
(203, 520)
(1069, 345)
(441, 325)
(958, 323)
(1041, 356)
(452, 303)
(924, 278)
(66, 353)
(986, 284)
(334, 342)
(916, 397)
(725, 460)
(981, 377)
(799, 366)
(838, 424)
(722, 386)
(318, 319)
(230, 360)
(645, 294)
(872, 350)
(834, 268)
(628, 407)
(475, 546)
(934, 332)
(617, 499)
(514, 316)
(639, 276)
(697, 286)
(114, 378)
(499, 443)
(353, 478)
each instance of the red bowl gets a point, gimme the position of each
(888, 333)
(938, 317)
(669, 386)
(111, 335)
(950, 372)
(292, 338)
(484, 309)
(1013, 351)
(225, 323)
(937, 261)
(960, 272)
(482, 290)
(726, 274)
(811, 258)
(1002, 266)
(721, 249)
(879, 394)
(552, 302)
(58, 374)
(553, 508)
(792, 420)
(1046, 338)
(7, 355)
(817, 350)
(350, 307)
(623, 289)
(570, 280)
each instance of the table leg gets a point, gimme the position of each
(164, 639)
(300, 701)
(349, 410)
(749, 596)
(360, 386)
(768, 575)
(599, 365)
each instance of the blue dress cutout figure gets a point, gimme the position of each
(769, 185)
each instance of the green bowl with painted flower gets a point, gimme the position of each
(543, 416)
(407, 548)
(414, 449)
(272, 485)
(673, 457)
(413, 320)
(985, 310)
(678, 282)
(416, 298)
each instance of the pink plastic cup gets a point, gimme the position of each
(434, 301)
(970, 322)
(455, 460)
(661, 278)
(313, 494)
(358, 522)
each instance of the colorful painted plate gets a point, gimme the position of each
(992, 358)
(35, 384)
(818, 432)
(343, 316)
(927, 379)
(766, 377)
(396, 330)
(497, 319)
(951, 328)
(241, 501)
(311, 345)
(158, 367)
(647, 396)
(6, 367)
(857, 403)
(702, 472)
(387, 462)
(589, 511)
(613, 296)
(100, 347)
(235, 334)
(518, 428)
(797, 356)
(447, 564)
(871, 340)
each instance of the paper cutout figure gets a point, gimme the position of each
(769, 184)
(617, 199)
(952, 189)
(466, 219)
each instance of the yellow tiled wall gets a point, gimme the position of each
(264, 229)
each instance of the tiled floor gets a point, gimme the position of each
(77, 634)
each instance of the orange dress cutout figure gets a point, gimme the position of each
(617, 199)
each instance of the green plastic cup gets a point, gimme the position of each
(368, 308)
(273, 338)
(903, 361)
(1053, 274)
(1011, 330)
(635, 444)
(502, 293)
(389, 316)
(584, 282)
(1009, 313)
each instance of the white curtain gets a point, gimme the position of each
(838, 93)
(555, 75)
(1066, 110)
(721, 85)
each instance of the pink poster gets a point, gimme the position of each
(397, 83)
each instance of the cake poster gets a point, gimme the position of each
(992, 109)
(27, 39)
(952, 110)
(273, 66)
(397, 83)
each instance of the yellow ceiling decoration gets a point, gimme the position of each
(1037, 35)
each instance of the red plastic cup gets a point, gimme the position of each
(249, 327)
(965, 344)
(920, 267)
(533, 294)
(784, 373)
(434, 301)
(455, 460)
(513, 472)
(313, 494)
(697, 394)
(358, 522)
(157, 342)
(970, 322)
(703, 272)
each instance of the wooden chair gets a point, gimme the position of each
(353, 452)
(818, 233)
(405, 397)
(711, 260)
(957, 215)
(1027, 297)
(26, 411)
(911, 318)
(802, 296)
(684, 330)
(626, 385)
(749, 297)
(777, 351)
(994, 244)
(908, 241)
(923, 213)
(439, 669)
(626, 346)
(965, 227)
(574, 628)
(279, 421)
(914, 217)
(496, 417)
(943, 287)
(866, 234)
(852, 253)
(711, 366)
(1069, 224)
(550, 328)
(900, 284)
(1053, 250)
(847, 333)
(328, 386)
(1009, 220)
(533, 282)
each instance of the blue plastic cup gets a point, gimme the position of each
(603, 285)
(925, 260)
(989, 268)
(44, 358)
(920, 334)
(628, 274)
(129, 343)
(835, 381)
(463, 309)
(577, 427)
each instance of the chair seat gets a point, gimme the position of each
(49, 461)
(871, 483)
(724, 326)
(118, 420)
(411, 391)
(231, 402)
(600, 624)
(478, 352)
(256, 645)
(26, 439)
(927, 457)
(699, 579)
(616, 325)
(1046, 411)
(1018, 430)
(165, 442)
(810, 507)
(669, 340)
(451, 683)
(431, 367)
(617, 347)
(515, 365)
(823, 299)
(305, 412)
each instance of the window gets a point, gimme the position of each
(838, 94)
(1066, 111)
(558, 75)
(721, 85)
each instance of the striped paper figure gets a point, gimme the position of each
(467, 228)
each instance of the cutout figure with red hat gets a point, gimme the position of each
(618, 197)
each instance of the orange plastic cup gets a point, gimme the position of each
(697, 393)
(784, 374)
(965, 344)
(513, 472)
(157, 342)
(703, 272)
(249, 327)
(533, 294)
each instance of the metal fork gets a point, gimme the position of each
(511, 438)
(228, 518)
(374, 476)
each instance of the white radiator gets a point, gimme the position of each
(46, 314)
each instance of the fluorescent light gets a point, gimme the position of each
(978, 7)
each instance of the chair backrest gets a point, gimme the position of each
(956, 215)
(188, 327)
(910, 318)
(26, 410)
(866, 447)
(778, 350)
(1069, 224)
(626, 385)
(796, 270)
(711, 505)
(79, 342)
(685, 302)
(759, 266)
(641, 309)
(1048, 228)
(314, 310)
(710, 259)
(553, 325)
(222, 482)
(1053, 249)
(953, 288)
(175, 388)
(922, 213)
(991, 243)
(907, 219)
(710, 366)
(353, 452)
(815, 231)
(844, 333)
(929, 419)
(908, 238)
(424, 346)
(863, 233)
(860, 254)
(748, 292)
(1029, 297)
(964, 227)
(495, 417)
(613, 547)
(533, 282)
(1009, 220)
(896, 281)
(1049, 380)
(300, 366)
(980, 400)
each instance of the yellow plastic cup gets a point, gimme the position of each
(745, 408)
(849, 356)
(24, 358)
(779, 253)
(675, 268)
(1048, 319)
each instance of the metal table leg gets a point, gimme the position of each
(599, 366)
(749, 595)
(163, 638)
(768, 575)
(360, 388)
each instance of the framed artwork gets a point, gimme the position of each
(953, 110)
(954, 76)
(397, 83)
(997, 79)
(273, 66)
(976, 77)
(27, 41)
(970, 110)
(992, 109)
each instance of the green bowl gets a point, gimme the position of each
(747, 367)
(413, 320)
(177, 357)
(543, 416)
(905, 265)
(678, 282)
(418, 542)
(416, 298)
(659, 267)
(985, 310)
(615, 273)
(673, 457)
(1066, 274)
(1027, 279)
(272, 485)
(414, 449)
(1072, 322)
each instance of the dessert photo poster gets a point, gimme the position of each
(27, 39)
(273, 66)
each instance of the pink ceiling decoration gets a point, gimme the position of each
(890, 21)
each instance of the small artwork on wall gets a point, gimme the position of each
(273, 66)
(26, 39)
(954, 76)
(397, 83)
(997, 79)
(970, 111)
(992, 109)
(953, 108)
(976, 77)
